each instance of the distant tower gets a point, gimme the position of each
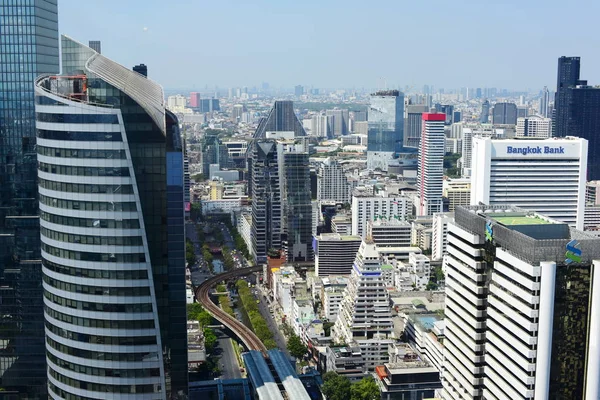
(141, 69)
(430, 172)
(505, 114)
(280, 118)
(545, 102)
(413, 124)
(567, 77)
(299, 90)
(96, 45)
(332, 183)
(485, 112)
(386, 128)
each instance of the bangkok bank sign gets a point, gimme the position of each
(526, 150)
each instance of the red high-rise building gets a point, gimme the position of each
(194, 99)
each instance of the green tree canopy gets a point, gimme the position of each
(365, 389)
(336, 387)
(210, 340)
(296, 347)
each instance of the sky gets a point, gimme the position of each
(190, 44)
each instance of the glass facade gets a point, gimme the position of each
(266, 199)
(113, 247)
(298, 207)
(386, 122)
(28, 47)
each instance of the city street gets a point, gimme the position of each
(228, 363)
(198, 271)
(263, 307)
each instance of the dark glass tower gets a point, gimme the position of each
(577, 111)
(298, 207)
(28, 47)
(567, 77)
(266, 199)
(485, 112)
(111, 179)
(505, 113)
(281, 118)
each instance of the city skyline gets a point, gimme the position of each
(233, 43)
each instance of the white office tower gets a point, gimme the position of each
(332, 184)
(365, 318)
(534, 127)
(546, 176)
(366, 207)
(439, 235)
(592, 208)
(469, 131)
(110, 175)
(430, 170)
(522, 307)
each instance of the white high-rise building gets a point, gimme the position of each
(468, 133)
(439, 235)
(592, 208)
(367, 208)
(534, 127)
(365, 318)
(176, 103)
(547, 176)
(522, 308)
(112, 262)
(430, 170)
(332, 183)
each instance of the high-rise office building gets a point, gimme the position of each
(294, 175)
(141, 69)
(485, 112)
(386, 128)
(413, 124)
(534, 127)
(213, 152)
(96, 45)
(504, 114)
(110, 169)
(430, 172)
(567, 77)
(522, 307)
(547, 176)
(266, 198)
(544, 108)
(299, 90)
(322, 126)
(341, 119)
(195, 99)
(332, 183)
(577, 111)
(365, 318)
(28, 47)
(366, 208)
(281, 118)
(335, 253)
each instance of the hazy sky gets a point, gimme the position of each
(333, 43)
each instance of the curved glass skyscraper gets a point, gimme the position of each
(110, 169)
